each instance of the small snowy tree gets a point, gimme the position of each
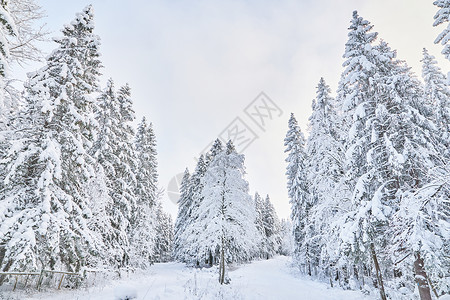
(164, 235)
(226, 222)
(272, 228)
(183, 215)
(287, 241)
(259, 223)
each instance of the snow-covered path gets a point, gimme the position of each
(275, 279)
(268, 279)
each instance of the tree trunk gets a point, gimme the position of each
(222, 264)
(378, 272)
(421, 278)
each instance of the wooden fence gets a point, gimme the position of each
(40, 278)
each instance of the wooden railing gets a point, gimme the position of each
(41, 276)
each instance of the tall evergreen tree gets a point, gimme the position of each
(49, 166)
(184, 206)
(298, 187)
(325, 171)
(225, 225)
(191, 233)
(390, 147)
(146, 174)
(106, 151)
(143, 233)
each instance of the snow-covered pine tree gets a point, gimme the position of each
(144, 230)
(390, 145)
(225, 227)
(48, 166)
(272, 229)
(164, 235)
(358, 233)
(191, 233)
(146, 175)
(184, 206)
(287, 241)
(325, 171)
(125, 151)
(259, 223)
(193, 199)
(298, 189)
(108, 156)
(442, 17)
(437, 94)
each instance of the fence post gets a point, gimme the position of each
(40, 280)
(59, 285)
(15, 284)
(26, 280)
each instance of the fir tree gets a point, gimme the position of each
(272, 229)
(325, 172)
(298, 187)
(225, 224)
(184, 206)
(50, 163)
(259, 223)
(143, 237)
(164, 235)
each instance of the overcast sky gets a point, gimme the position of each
(194, 66)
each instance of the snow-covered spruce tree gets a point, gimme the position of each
(164, 235)
(442, 17)
(325, 170)
(389, 148)
(193, 199)
(107, 155)
(226, 219)
(184, 205)
(298, 190)
(259, 223)
(146, 175)
(272, 229)
(358, 233)
(191, 233)
(287, 241)
(437, 94)
(143, 233)
(48, 166)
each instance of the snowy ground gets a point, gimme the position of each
(268, 279)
